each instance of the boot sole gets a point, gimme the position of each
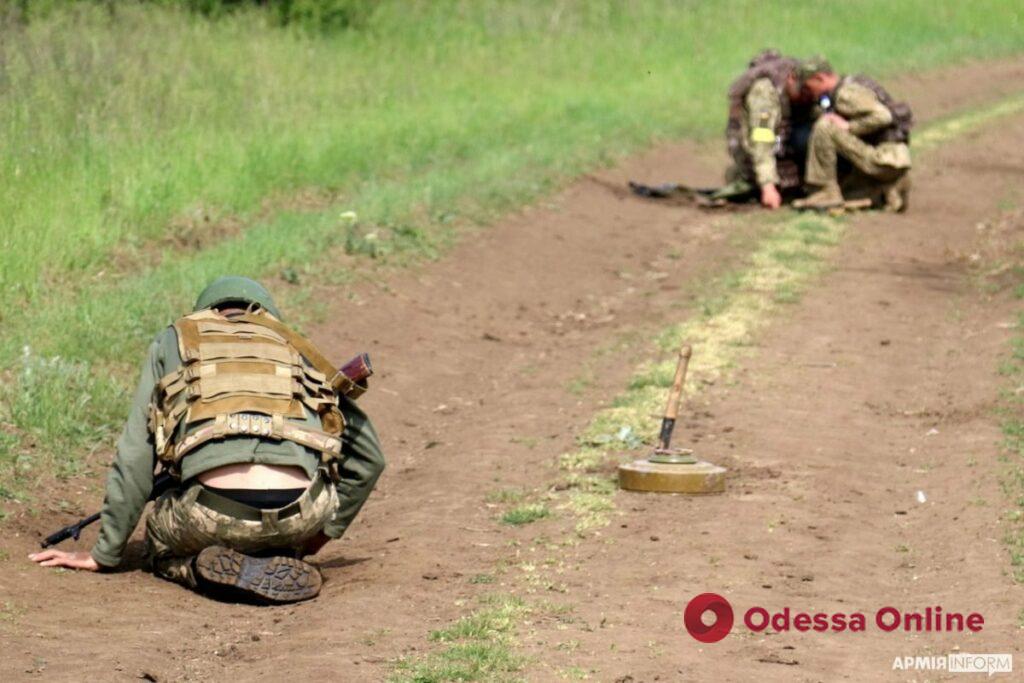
(272, 579)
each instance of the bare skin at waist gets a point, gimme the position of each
(255, 476)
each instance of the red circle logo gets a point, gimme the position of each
(717, 605)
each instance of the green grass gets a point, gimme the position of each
(143, 154)
(477, 647)
(506, 496)
(111, 128)
(525, 514)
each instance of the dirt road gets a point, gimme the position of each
(878, 384)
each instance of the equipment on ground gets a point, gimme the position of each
(730, 195)
(672, 470)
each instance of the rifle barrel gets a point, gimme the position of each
(71, 530)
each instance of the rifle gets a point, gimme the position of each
(162, 482)
(351, 379)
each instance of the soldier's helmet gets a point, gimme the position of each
(234, 288)
(815, 65)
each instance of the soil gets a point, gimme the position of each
(879, 383)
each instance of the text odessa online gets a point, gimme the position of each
(887, 619)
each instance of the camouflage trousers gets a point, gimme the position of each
(873, 164)
(179, 527)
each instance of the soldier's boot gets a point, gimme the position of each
(264, 579)
(897, 194)
(827, 197)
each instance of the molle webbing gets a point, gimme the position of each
(337, 380)
(248, 379)
(263, 426)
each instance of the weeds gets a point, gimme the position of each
(478, 646)
(506, 496)
(526, 514)
(10, 611)
(62, 403)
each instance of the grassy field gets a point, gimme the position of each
(146, 151)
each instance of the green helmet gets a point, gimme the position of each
(815, 65)
(236, 288)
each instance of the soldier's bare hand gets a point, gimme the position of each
(837, 120)
(59, 558)
(770, 197)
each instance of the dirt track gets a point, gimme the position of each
(828, 428)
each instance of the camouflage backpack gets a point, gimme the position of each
(902, 116)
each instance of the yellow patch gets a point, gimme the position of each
(762, 135)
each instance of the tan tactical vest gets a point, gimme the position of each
(242, 376)
(772, 65)
(902, 116)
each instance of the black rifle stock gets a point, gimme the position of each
(351, 379)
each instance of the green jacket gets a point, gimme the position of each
(130, 480)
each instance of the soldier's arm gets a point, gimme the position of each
(130, 480)
(862, 108)
(763, 114)
(358, 473)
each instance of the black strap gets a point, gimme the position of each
(233, 508)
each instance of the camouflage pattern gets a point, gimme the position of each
(764, 110)
(130, 479)
(179, 527)
(758, 102)
(902, 118)
(867, 115)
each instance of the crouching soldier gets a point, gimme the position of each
(863, 125)
(270, 455)
(769, 123)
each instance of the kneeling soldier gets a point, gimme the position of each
(271, 455)
(862, 124)
(767, 131)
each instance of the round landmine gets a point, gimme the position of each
(697, 477)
